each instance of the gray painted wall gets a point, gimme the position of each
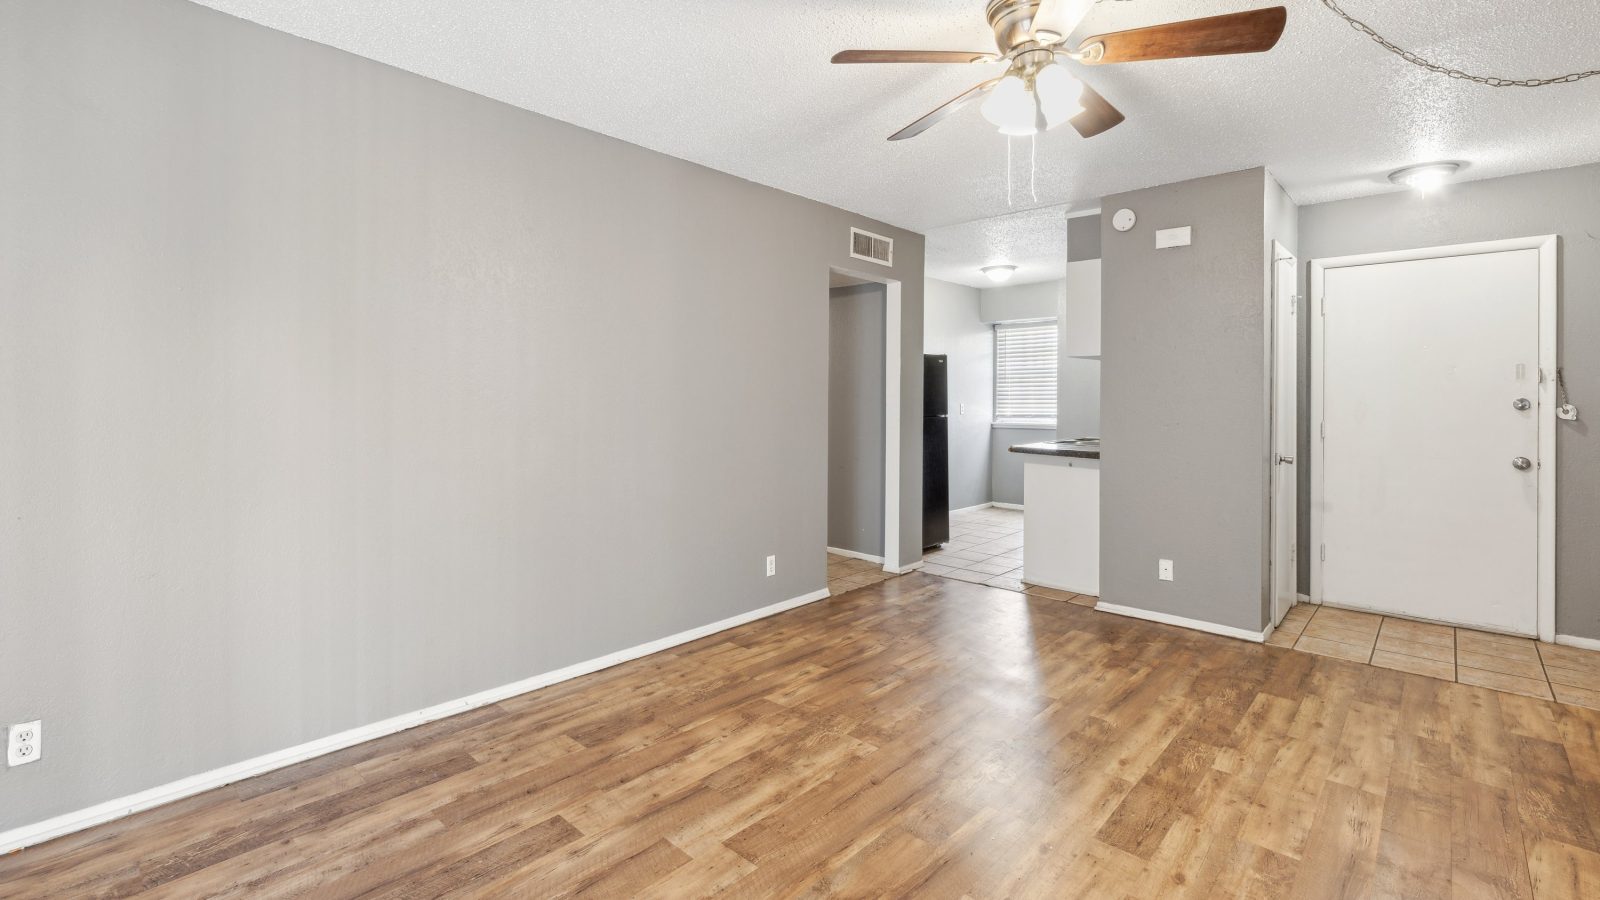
(855, 418)
(1183, 422)
(1006, 478)
(1083, 238)
(1021, 302)
(328, 392)
(1564, 202)
(1078, 380)
(951, 326)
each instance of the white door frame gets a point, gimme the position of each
(1549, 248)
(1280, 254)
(891, 418)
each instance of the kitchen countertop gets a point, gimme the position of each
(1051, 448)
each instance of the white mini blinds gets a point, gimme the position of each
(1025, 373)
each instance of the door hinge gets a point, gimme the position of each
(1322, 430)
(1324, 552)
(1322, 308)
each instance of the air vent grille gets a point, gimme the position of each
(871, 247)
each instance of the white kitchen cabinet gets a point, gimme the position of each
(1061, 523)
(1080, 312)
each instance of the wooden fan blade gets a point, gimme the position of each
(1098, 115)
(940, 114)
(1246, 32)
(909, 56)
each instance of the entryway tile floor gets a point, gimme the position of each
(1512, 665)
(985, 547)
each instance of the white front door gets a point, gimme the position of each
(1285, 432)
(1429, 499)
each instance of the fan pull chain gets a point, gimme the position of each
(1008, 171)
(1033, 166)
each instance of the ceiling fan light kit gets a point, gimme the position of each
(1037, 92)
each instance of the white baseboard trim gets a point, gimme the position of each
(840, 551)
(998, 505)
(1026, 579)
(1255, 637)
(903, 569)
(1303, 598)
(967, 509)
(1583, 643)
(28, 835)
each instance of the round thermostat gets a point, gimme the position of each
(1123, 220)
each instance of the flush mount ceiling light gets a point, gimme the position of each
(1426, 177)
(997, 274)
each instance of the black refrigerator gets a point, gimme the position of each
(935, 451)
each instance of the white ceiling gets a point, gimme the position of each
(745, 86)
(1035, 241)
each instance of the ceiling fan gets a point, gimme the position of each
(1037, 92)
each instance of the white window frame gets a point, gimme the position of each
(1000, 421)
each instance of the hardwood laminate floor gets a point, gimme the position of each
(917, 737)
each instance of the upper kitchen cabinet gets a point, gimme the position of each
(1080, 312)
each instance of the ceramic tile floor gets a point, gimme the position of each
(985, 547)
(1500, 662)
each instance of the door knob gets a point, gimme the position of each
(1521, 403)
(1522, 463)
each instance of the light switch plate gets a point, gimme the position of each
(1174, 237)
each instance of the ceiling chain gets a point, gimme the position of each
(1431, 66)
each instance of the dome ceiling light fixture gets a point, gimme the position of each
(1037, 92)
(999, 274)
(1426, 177)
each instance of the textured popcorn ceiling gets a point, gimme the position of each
(1035, 241)
(744, 86)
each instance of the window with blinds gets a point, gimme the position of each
(1025, 373)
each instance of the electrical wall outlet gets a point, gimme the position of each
(24, 743)
(1164, 570)
(772, 566)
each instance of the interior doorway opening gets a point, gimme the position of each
(864, 372)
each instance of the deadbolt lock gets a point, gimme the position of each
(1521, 403)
